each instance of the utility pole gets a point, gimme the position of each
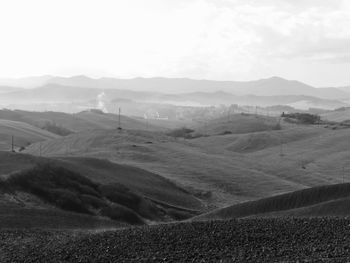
(281, 147)
(12, 144)
(119, 124)
(343, 173)
(40, 149)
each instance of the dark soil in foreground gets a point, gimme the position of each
(247, 240)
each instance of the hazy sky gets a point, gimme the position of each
(308, 40)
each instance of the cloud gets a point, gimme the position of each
(246, 37)
(218, 39)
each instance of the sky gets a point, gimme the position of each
(306, 40)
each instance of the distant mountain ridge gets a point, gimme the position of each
(58, 93)
(274, 86)
(177, 91)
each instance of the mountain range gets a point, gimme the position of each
(182, 91)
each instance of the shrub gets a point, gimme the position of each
(68, 200)
(182, 132)
(55, 185)
(56, 129)
(123, 196)
(305, 118)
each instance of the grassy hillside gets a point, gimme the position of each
(24, 134)
(237, 124)
(339, 115)
(18, 216)
(110, 121)
(223, 169)
(82, 121)
(70, 189)
(150, 185)
(329, 200)
(213, 175)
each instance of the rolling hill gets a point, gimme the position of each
(150, 185)
(81, 121)
(237, 124)
(70, 189)
(329, 200)
(223, 169)
(23, 134)
(338, 115)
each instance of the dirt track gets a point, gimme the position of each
(253, 240)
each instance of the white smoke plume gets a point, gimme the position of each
(101, 102)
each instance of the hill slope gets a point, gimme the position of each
(330, 200)
(149, 185)
(223, 169)
(237, 124)
(203, 166)
(81, 121)
(23, 134)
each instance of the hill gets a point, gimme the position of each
(84, 92)
(237, 124)
(58, 93)
(148, 195)
(301, 102)
(8, 89)
(254, 144)
(23, 134)
(223, 169)
(206, 166)
(274, 86)
(329, 200)
(338, 115)
(81, 121)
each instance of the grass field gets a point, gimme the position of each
(222, 169)
(82, 121)
(23, 134)
(93, 187)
